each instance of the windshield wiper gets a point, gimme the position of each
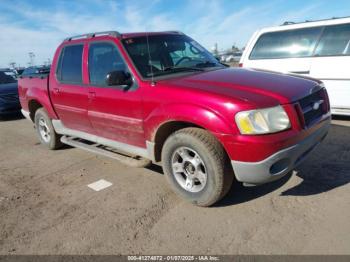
(212, 64)
(181, 69)
(172, 70)
(207, 64)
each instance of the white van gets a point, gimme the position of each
(319, 49)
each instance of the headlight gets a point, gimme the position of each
(262, 121)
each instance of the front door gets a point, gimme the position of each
(114, 111)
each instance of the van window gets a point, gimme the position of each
(334, 41)
(103, 59)
(286, 44)
(69, 68)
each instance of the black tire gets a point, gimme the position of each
(53, 140)
(219, 175)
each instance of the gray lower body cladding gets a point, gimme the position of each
(280, 163)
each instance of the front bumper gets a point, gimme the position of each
(280, 163)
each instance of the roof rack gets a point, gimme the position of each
(288, 23)
(174, 32)
(90, 35)
(309, 21)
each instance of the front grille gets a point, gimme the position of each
(9, 97)
(314, 106)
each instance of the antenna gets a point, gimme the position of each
(149, 60)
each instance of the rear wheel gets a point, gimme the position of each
(45, 130)
(196, 166)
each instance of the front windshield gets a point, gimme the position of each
(168, 54)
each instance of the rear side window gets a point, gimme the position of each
(334, 41)
(286, 44)
(103, 59)
(69, 68)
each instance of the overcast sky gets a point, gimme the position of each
(39, 26)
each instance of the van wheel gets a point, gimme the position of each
(45, 130)
(196, 166)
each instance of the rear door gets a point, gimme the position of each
(331, 65)
(68, 93)
(114, 111)
(286, 51)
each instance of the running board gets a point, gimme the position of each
(134, 161)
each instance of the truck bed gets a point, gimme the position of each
(35, 88)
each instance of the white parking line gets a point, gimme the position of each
(100, 185)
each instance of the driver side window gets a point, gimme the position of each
(103, 59)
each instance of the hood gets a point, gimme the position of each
(11, 88)
(263, 88)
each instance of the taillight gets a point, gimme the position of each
(240, 64)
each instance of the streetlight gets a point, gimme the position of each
(31, 58)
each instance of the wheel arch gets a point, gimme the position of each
(171, 118)
(33, 106)
(164, 131)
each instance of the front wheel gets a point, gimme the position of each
(196, 166)
(45, 130)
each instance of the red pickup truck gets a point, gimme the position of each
(162, 97)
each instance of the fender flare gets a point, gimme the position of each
(189, 113)
(41, 97)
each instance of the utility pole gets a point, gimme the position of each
(215, 49)
(31, 58)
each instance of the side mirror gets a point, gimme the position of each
(118, 78)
